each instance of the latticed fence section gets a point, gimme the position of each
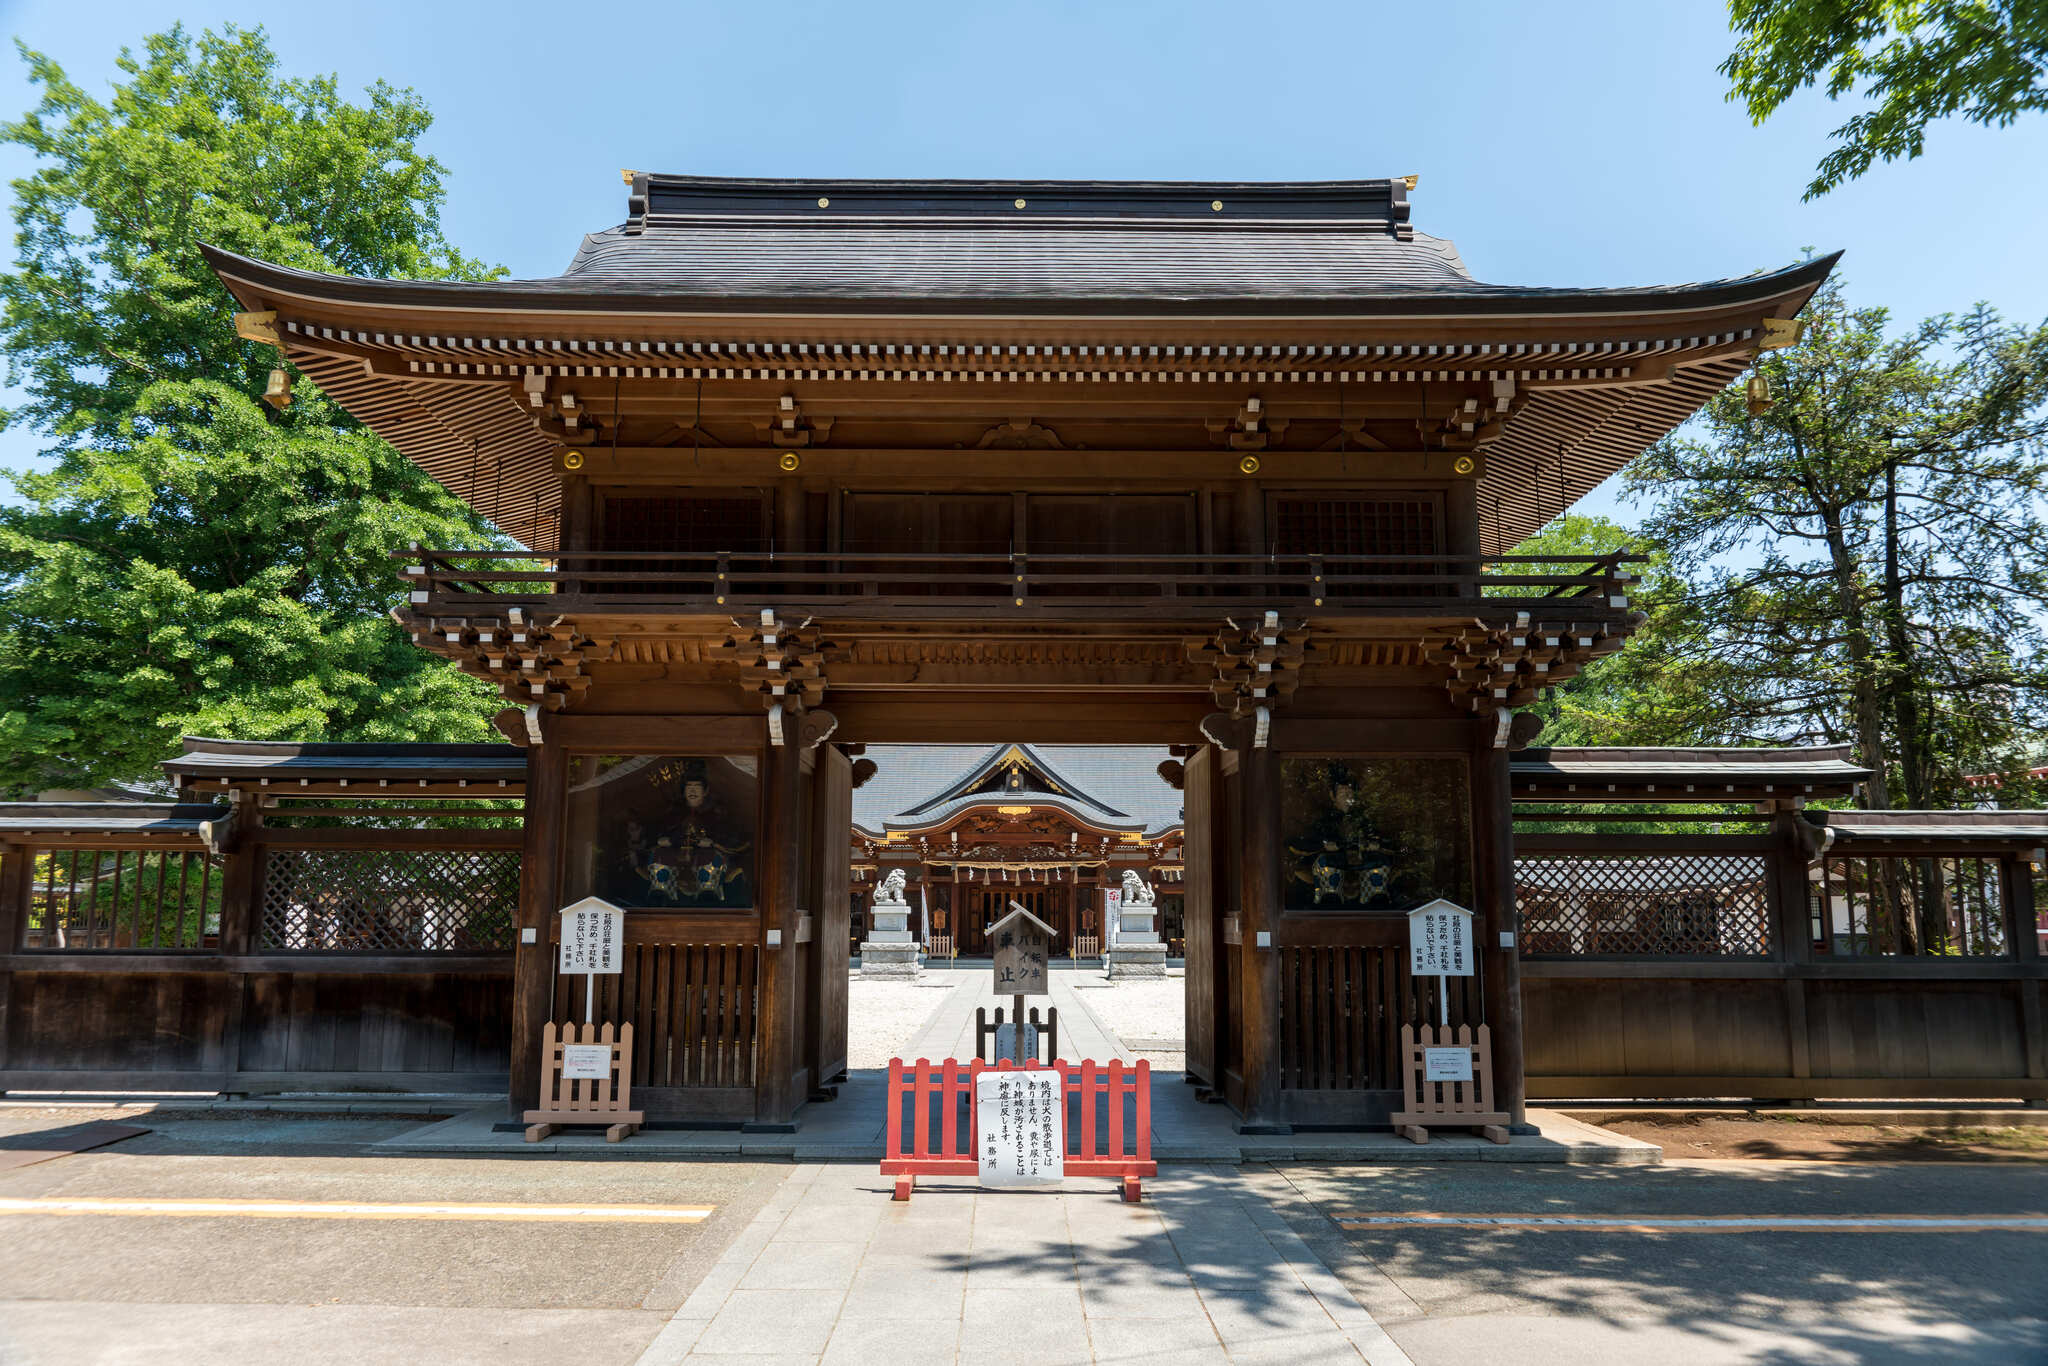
(132, 899)
(1876, 906)
(1689, 905)
(389, 900)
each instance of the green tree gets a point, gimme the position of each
(1863, 560)
(195, 560)
(1916, 60)
(1624, 698)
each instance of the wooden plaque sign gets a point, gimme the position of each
(1023, 946)
(593, 937)
(1440, 940)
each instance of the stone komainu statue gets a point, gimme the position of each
(890, 893)
(1136, 891)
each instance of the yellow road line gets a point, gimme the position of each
(1707, 1223)
(350, 1209)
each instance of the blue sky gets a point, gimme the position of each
(1568, 144)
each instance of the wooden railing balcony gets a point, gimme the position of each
(670, 583)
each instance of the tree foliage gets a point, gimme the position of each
(1915, 60)
(1863, 562)
(196, 561)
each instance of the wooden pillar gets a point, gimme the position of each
(533, 964)
(17, 877)
(831, 909)
(1258, 896)
(2016, 879)
(1791, 932)
(239, 874)
(776, 1095)
(1499, 946)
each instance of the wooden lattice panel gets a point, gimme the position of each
(694, 1010)
(389, 900)
(1341, 1009)
(1643, 905)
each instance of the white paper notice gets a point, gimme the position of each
(586, 1061)
(1440, 940)
(1021, 1131)
(1447, 1064)
(593, 937)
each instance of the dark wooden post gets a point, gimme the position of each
(1792, 932)
(240, 880)
(1259, 904)
(1500, 959)
(2016, 880)
(241, 886)
(533, 964)
(782, 825)
(17, 877)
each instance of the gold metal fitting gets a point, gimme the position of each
(1217, 205)
(1248, 465)
(278, 393)
(790, 460)
(1020, 203)
(1411, 181)
(259, 326)
(824, 203)
(626, 176)
(1757, 396)
(572, 460)
(1780, 333)
(1464, 464)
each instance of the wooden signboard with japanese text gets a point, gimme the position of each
(1022, 945)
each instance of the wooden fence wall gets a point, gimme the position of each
(301, 959)
(1698, 966)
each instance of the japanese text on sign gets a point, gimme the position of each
(1447, 1064)
(586, 1062)
(1440, 940)
(593, 937)
(1020, 1128)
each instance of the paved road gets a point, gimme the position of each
(1542, 1294)
(1235, 1263)
(388, 1282)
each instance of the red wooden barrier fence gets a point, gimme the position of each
(1093, 1149)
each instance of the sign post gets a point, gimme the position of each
(1023, 946)
(593, 941)
(1440, 946)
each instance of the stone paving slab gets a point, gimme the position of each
(1205, 1270)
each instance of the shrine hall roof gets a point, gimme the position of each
(917, 786)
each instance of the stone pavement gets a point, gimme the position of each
(1205, 1270)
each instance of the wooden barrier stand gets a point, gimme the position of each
(577, 1099)
(1093, 1149)
(1466, 1103)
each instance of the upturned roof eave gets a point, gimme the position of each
(258, 283)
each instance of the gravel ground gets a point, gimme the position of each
(1149, 1016)
(883, 1017)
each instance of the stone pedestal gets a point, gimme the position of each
(889, 953)
(1132, 960)
(1137, 951)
